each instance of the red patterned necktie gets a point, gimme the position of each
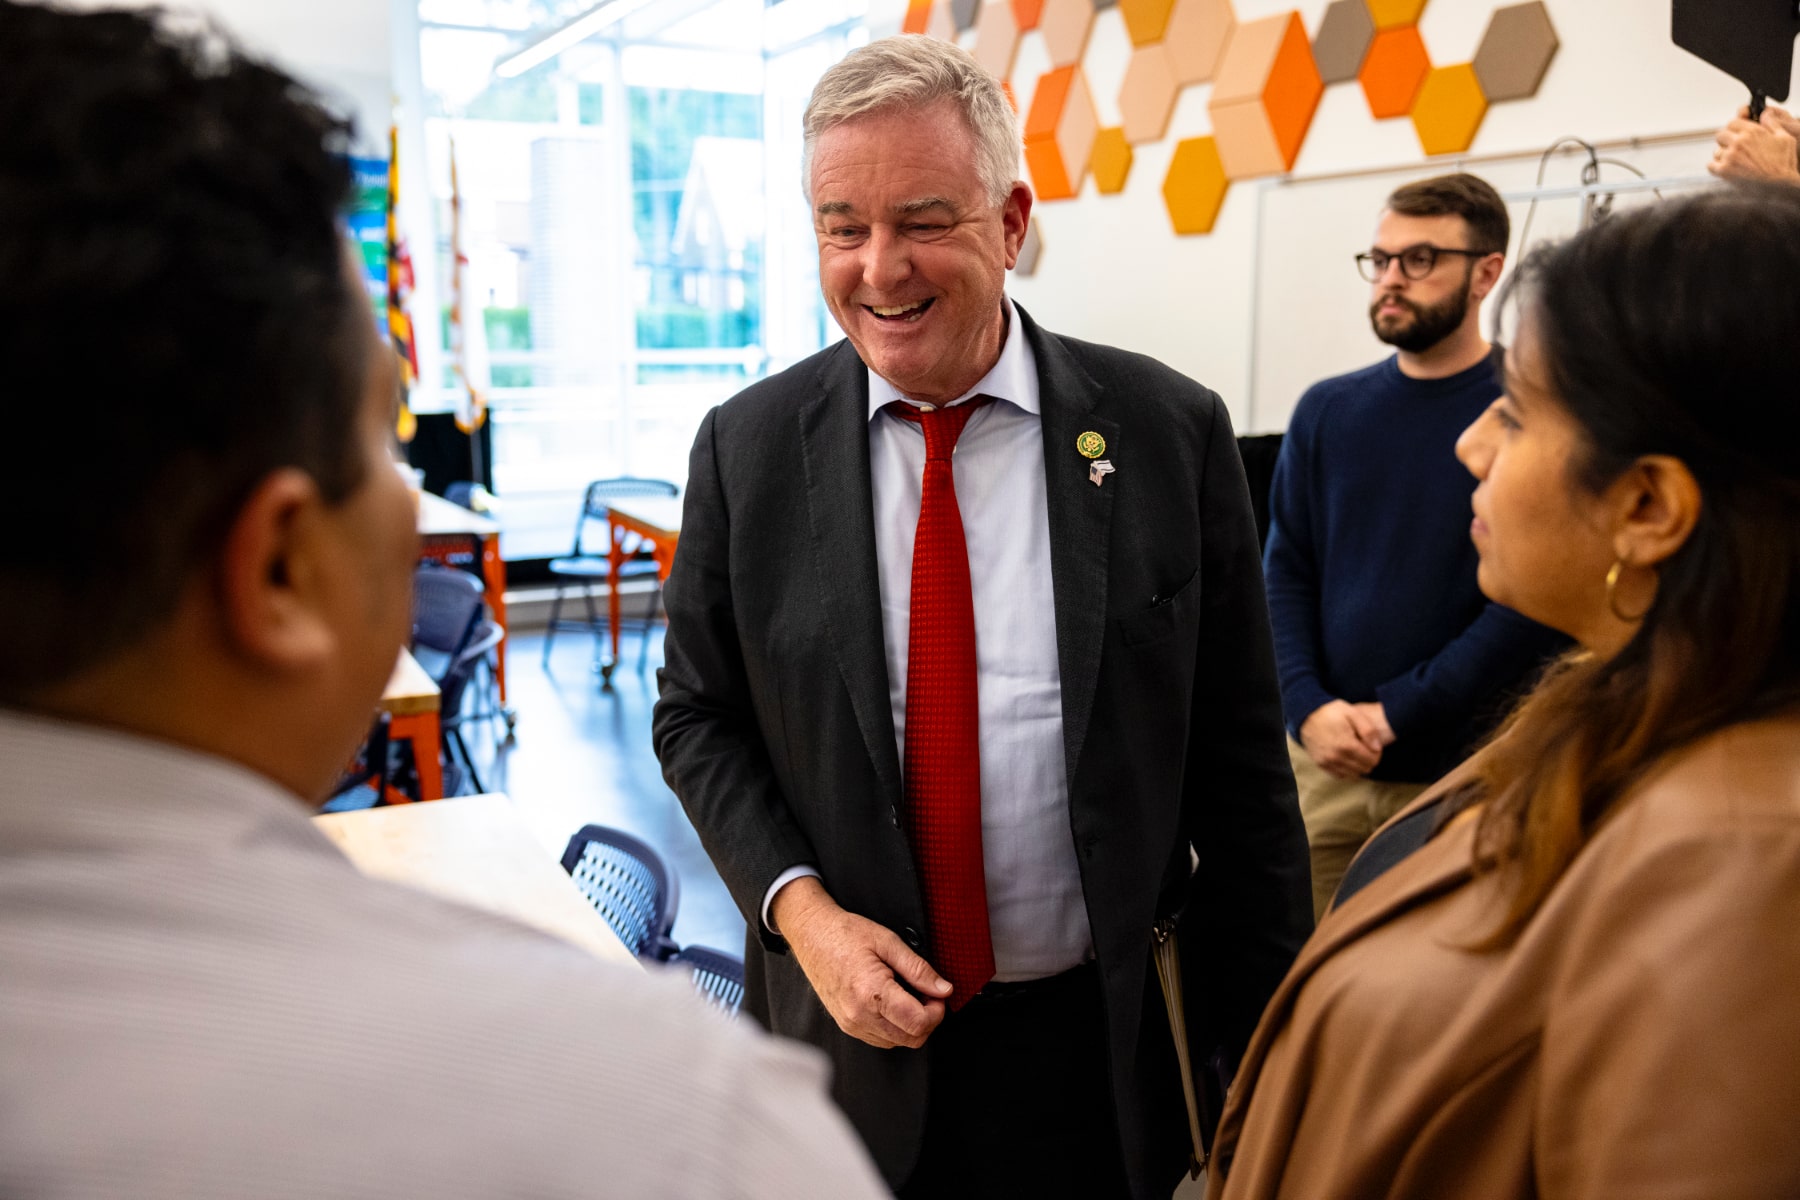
(942, 770)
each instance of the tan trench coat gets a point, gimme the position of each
(1641, 1038)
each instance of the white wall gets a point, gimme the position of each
(1112, 270)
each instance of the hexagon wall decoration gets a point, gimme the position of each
(940, 21)
(996, 39)
(1392, 14)
(1147, 95)
(918, 13)
(1264, 97)
(1030, 250)
(1196, 36)
(1110, 160)
(1059, 133)
(1026, 13)
(1145, 20)
(962, 12)
(1342, 42)
(1065, 25)
(1392, 72)
(1194, 188)
(1449, 109)
(1515, 52)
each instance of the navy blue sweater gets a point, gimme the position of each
(1371, 574)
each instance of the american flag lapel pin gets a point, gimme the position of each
(1098, 471)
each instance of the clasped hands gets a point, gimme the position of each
(856, 967)
(1346, 739)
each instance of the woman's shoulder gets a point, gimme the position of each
(1748, 773)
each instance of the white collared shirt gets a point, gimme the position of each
(202, 999)
(1036, 911)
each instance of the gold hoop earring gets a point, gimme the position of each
(1612, 599)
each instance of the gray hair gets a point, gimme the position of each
(908, 72)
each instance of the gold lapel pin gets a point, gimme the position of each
(1090, 444)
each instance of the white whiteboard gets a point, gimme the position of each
(1310, 306)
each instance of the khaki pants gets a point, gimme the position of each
(1340, 814)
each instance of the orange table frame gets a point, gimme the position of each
(467, 529)
(411, 702)
(662, 539)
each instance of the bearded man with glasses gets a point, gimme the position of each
(1392, 663)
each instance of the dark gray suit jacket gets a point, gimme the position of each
(774, 726)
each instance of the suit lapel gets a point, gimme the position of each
(834, 441)
(1080, 527)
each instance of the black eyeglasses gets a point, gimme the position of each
(1416, 262)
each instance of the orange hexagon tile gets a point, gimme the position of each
(1449, 109)
(1391, 74)
(1065, 25)
(996, 38)
(1196, 37)
(1110, 160)
(1195, 186)
(1392, 14)
(918, 13)
(1342, 40)
(1147, 95)
(1145, 20)
(1515, 52)
(1059, 133)
(1026, 13)
(1264, 96)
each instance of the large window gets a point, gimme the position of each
(635, 248)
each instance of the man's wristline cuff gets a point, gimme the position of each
(782, 880)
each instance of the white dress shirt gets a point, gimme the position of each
(1036, 912)
(201, 998)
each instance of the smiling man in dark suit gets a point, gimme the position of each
(969, 681)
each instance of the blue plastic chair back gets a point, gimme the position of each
(628, 884)
(718, 976)
(447, 605)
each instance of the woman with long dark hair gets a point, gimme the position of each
(1572, 968)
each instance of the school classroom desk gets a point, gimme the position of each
(446, 529)
(475, 850)
(411, 702)
(656, 519)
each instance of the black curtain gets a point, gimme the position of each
(442, 451)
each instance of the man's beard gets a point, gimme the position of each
(1428, 326)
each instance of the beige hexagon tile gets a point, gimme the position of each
(1196, 37)
(1064, 25)
(1264, 97)
(941, 23)
(1147, 95)
(996, 38)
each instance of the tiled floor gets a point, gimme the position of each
(582, 756)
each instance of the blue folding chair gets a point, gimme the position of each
(628, 883)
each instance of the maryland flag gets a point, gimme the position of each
(399, 293)
(468, 345)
